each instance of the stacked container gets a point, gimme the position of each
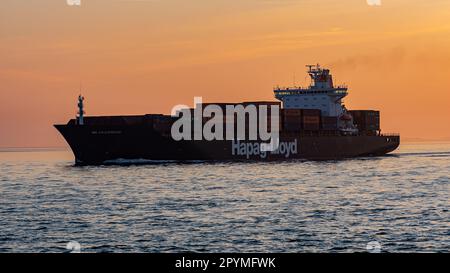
(292, 119)
(329, 123)
(311, 119)
(114, 120)
(366, 120)
(163, 123)
(258, 105)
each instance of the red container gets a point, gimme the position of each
(311, 123)
(311, 119)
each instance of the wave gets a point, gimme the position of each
(142, 161)
(426, 154)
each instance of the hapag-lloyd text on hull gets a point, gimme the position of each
(249, 149)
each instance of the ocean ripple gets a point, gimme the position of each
(401, 201)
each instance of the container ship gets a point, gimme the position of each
(313, 124)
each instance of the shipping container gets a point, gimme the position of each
(311, 112)
(257, 104)
(163, 123)
(260, 103)
(149, 119)
(292, 112)
(133, 120)
(329, 123)
(366, 120)
(311, 126)
(311, 119)
(114, 120)
(292, 126)
(291, 120)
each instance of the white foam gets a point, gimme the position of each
(136, 161)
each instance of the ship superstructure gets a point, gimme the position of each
(321, 94)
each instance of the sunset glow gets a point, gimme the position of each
(138, 57)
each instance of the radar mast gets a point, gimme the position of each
(80, 116)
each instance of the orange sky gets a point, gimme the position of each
(137, 57)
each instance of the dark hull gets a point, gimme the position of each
(103, 144)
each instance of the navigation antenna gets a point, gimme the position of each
(80, 117)
(311, 72)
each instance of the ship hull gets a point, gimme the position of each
(94, 145)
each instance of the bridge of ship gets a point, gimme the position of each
(281, 92)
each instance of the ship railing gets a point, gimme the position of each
(295, 87)
(288, 91)
(290, 88)
(390, 134)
